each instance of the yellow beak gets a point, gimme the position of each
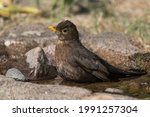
(52, 28)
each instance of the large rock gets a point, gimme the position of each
(37, 32)
(11, 89)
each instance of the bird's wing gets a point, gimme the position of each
(91, 63)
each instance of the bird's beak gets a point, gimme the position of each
(52, 28)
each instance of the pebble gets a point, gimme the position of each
(15, 74)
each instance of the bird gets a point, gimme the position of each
(74, 62)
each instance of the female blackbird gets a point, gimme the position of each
(77, 63)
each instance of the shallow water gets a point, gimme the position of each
(138, 87)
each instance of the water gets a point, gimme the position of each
(138, 87)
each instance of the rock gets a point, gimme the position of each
(50, 53)
(17, 48)
(107, 96)
(114, 90)
(15, 74)
(140, 60)
(27, 33)
(41, 67)
(10, 89)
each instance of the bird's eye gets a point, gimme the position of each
(64, 31)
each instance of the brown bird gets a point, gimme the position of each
(77, 63)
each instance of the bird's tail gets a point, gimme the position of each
(122, 73)
(116, 72)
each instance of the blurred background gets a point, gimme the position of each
(127, 16)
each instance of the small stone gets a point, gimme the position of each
(15, 74)
(113, 90)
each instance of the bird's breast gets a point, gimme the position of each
(64, 59)
(62, 53)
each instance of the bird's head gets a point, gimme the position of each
(66, 31)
